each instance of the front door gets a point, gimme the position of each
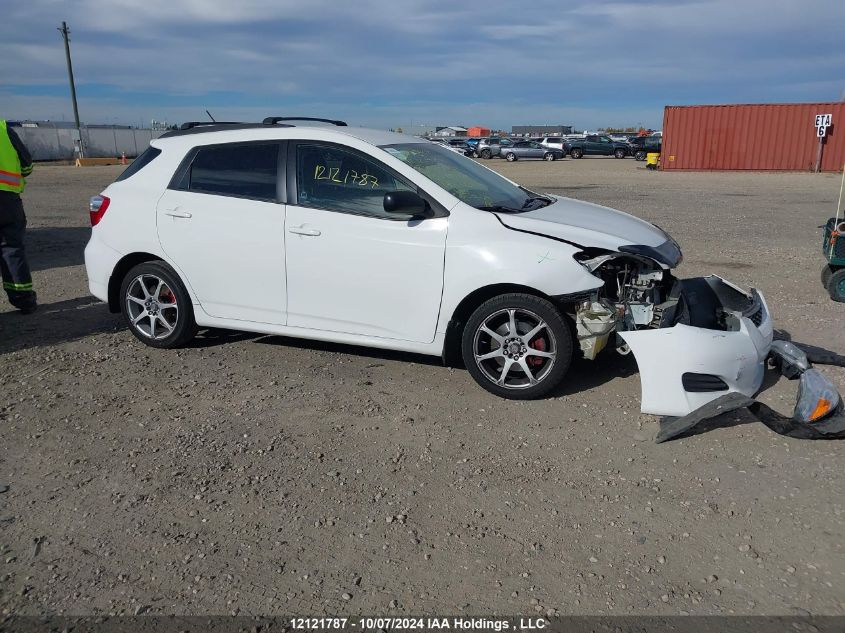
(351, 266)
(535, 150)
(222, 225)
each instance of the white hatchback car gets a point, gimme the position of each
(384, 240)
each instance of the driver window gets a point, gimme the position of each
(336, 179)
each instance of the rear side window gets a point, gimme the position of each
(243, 171)
(139, 163)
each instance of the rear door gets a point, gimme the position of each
(352, 267)
(221, 222)
(519, 149)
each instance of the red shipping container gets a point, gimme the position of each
(752, 136)
(478, 131)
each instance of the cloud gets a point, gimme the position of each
(496, 62)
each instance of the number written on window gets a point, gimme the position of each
(350, 176)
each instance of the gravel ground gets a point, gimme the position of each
(264, 475)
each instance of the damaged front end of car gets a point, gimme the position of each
(694, 340)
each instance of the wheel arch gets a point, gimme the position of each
(468, 305)
(123, 266)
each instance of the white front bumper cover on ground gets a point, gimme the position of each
(684, 367)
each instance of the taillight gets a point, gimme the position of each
(97, 207)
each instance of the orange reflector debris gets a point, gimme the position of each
(823, 407)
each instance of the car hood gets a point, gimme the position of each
(590, 225)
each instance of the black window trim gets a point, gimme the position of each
(141, 161)
(292, 198)
(177, 182)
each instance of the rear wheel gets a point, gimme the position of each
(576, 152)
(827, 271)
(548, 156)
(156, 306)
(640, 155)
(510, 157)
(517, 346)
(619, 153)
(836, 286)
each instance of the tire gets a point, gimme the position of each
(510, 157)
(549, 156)
(147, 316)
(546, 356)
(836, 286)
(576, 152)
(486, 153)
(640, 155)
(827, 271)
(620, 153)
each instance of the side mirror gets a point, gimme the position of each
(406, 202)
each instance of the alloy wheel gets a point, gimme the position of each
(514, 348)
(152, 307)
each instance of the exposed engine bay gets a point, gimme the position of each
(680, 330)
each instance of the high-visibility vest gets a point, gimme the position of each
(11, 178)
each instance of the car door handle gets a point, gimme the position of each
(175, 213)
(303, 231)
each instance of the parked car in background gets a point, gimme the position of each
(554, 142)
(597, 145)
(460, 147)
(491, 146)
(643, 145)
(529, 149)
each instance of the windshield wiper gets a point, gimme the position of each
(534, 199)
(498, 208)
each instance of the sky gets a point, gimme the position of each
(416, 63)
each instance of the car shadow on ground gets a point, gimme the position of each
(352, 350)
(213, 337)
(56, 246)
(589, 374)
(582, 375)
(55, 323)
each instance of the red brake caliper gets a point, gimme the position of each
(540, 345)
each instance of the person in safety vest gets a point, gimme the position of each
(15, 166)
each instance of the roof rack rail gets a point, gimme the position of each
(189, 125)
(272, 120)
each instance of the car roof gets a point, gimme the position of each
(208, 135)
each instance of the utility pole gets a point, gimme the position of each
(65, 31)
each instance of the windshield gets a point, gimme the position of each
(465, 179)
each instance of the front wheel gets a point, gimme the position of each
(156, 306)
(486, 153)
(548, 156)
(517, 346)
(640, 155)
(510, 157)
(619, 153)
(576, 153)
